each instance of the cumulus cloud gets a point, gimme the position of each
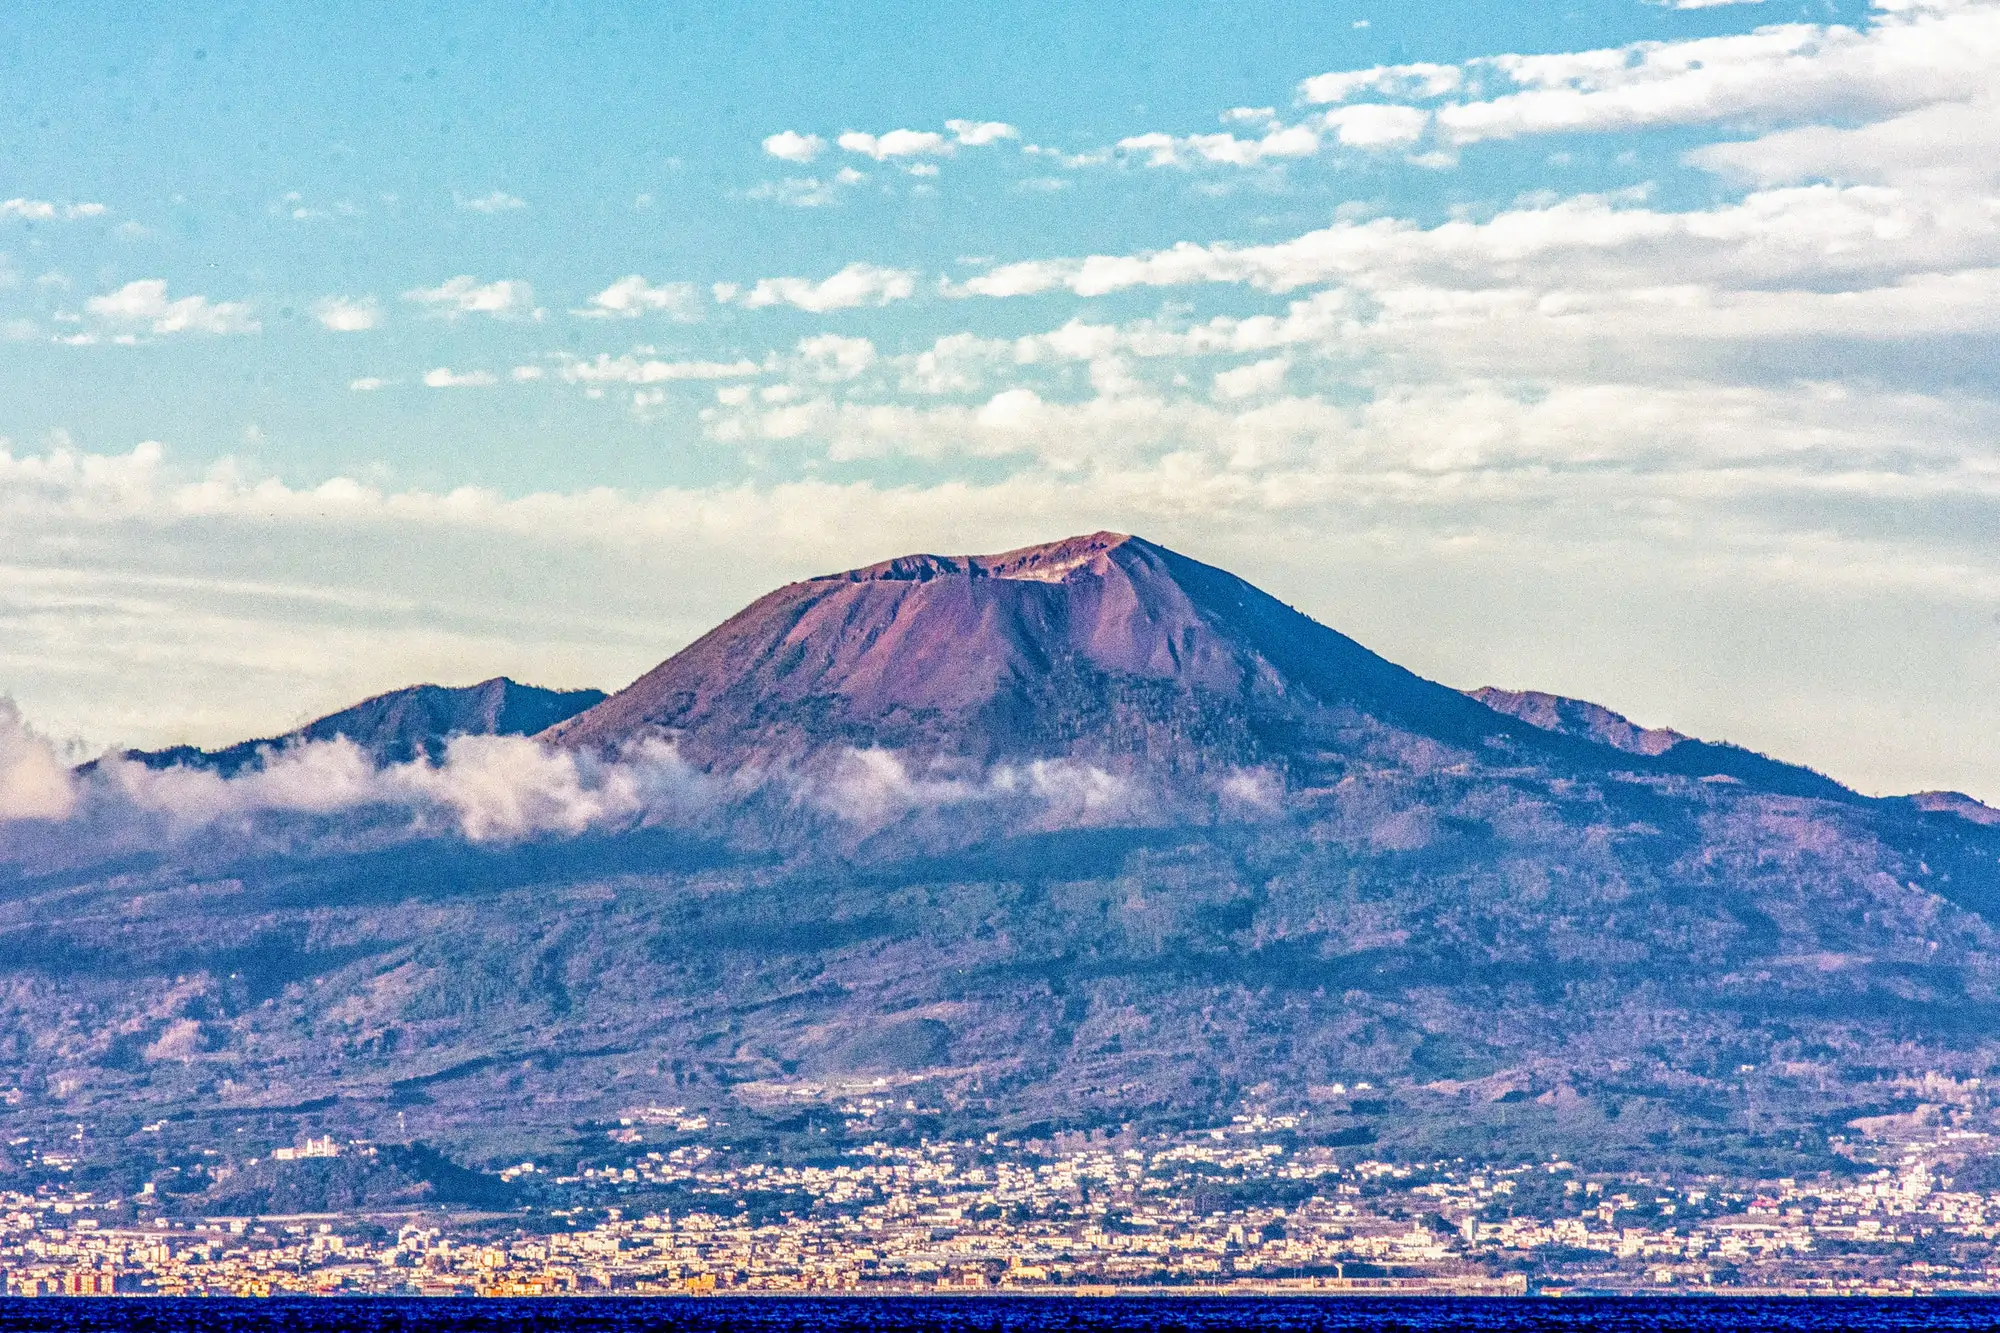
(632, 296)
(1252, 381)
(1278, 142)
(143, 305)
(1406, 81)
(1951, 146)
(347, 314)
(368, 384)
(444, 377)
(511, 789)
(1377, 125)
(466, 295)
(829, 356)
(926, 143)
(34, 782)
(979, 133)
(496, 201)
(486, 789)
(1908, 55)
(895, 143)
(858, 284)
(42, 210)
(791, 146)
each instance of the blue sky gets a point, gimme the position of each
(1636, 351)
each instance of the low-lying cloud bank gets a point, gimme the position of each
(509, 789)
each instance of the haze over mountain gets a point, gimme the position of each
(1077, 834)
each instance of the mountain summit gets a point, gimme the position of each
(1106, 646)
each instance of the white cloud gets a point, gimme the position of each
(498, 201)
(1376, 125)
(144, 304)
(858, 284)
(632, 296)
(980, 133)
(1909, 54)
(444, 377)
(1255, 380)
(466, 295)
(896, 143)
(791, 146)
(348, 314)
(1407, 81)
(1806, 236)
(492, 789)
(41, 210)
(34, 781)
(1278, 142)
(1952, 146)
(872, 787)
(527, 374)
(807, 191)
(1907, 57)
(631, 369)
(368, 384)
(829, 356)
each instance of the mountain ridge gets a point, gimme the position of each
(396, 726)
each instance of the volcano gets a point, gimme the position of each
(1630, 940)
(1105, 646)
(1108, 649)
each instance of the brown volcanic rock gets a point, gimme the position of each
(1105, 645)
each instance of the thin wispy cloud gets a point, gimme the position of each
(495, 201)
(444, 377)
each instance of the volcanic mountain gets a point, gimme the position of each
(1106, 648)
(398, 726)
(1528, 920)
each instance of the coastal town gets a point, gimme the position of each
(1244, 1207)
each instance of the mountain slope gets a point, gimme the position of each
(400, 725)
(1417, 890)
(1670, 751)
(1105, 647)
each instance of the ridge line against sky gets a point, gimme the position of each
(1645, 355)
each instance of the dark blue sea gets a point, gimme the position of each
(1002, 1315)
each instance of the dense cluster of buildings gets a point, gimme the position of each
(1242, 1207)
